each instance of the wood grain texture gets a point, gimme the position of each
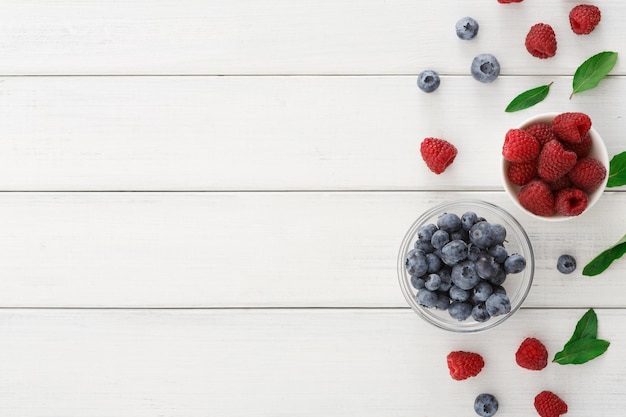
(258, 249)
(286, 37)
(287, 362)
(268, 133)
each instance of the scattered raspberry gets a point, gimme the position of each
(464, 365)
(519, 146)
(438, 154)
(542, 132)
(548, 404)
(588, 174)
(571, 126)
(554, 161)
(581, 149)
(510, 1)
(584, 18)
(560, 184)
(537, 198)
(532, 354)
(520, 173)
(541, 41)
(570, 201)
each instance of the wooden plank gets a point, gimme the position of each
(268, 133)
(286, 362)
(259, 249)
(286, 37)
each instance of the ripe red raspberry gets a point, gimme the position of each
(570, 201)
(532, 354)
(520, 173)
(438, 154)
(560, 184)
(571, 126)
(541, 41)
(519, 146)
(463, 365)
(584, 18)
(548, 404)
(542, 132)
(536, 197)
(588, 174)
(581, 149)
(554, 161)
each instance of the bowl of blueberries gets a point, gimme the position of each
(465, 265)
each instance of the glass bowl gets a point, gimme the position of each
(516, 285)
(598, 151)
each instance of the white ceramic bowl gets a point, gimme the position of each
(598, 151)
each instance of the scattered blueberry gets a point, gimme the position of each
(418, 283)
(514, 264)
(433, 281)
(499, 290)
(449, 222)
(426, 232)
(466, 28)
(443, 301)
(424, 245)
(498, 304)
(566, 264)
(473, 252)
(439, 239)
(468, 219)
(485, 405)
(457, 294)
(427, 298)
(498, 234)
(434, 262)
(481, 292)
(487, 267)
(480, 313)
(485, 68)
(460, 310)
(481, 235)
(428, 81)
(416, 264)
(498, 279)
(464, 275)
(454, 252)
(499, 253)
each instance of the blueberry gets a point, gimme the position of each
(428, 81)
(459, 310)
(485, 68)
(454, 252)
(418, 283)
(449, 222)
(499, 290)
(457, 294)
(480, 313)
(439, 239)
(473, 252)
(427, 298)
(499, 253)
(424, 245)
(481, 235)
(432, 282)
(481, 292)
(498, 304)
(446, 279)
(443, 301)
(468, 219)
(464, 275)
(487, 267)
(416, 264)
(426, 232)
(566, 264)
(499, 278)
(434, 262)
(485, 405)
(466, 28)
(514, 264)
(498, 234)
(460, 235)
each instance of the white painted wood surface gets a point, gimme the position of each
(201, 204)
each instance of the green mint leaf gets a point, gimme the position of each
(581, 351)
(592, 71)
(617, 170)
(586, 328)
(604, 260)
(528, 98)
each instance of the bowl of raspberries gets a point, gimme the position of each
(465, 265)
(555, 165)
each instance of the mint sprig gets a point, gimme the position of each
(584, 345)
(606, 258)
(528, 98)
(617, 171)
(592, 71)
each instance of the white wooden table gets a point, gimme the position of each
(202, 204)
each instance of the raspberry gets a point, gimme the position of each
(581, 149)
(464, 365)
(572, 126)
(584, 18)
(541, 41)
(520, 173)
(588, 174)
(554, 161)
(548, 404)
(438, 154)
(542, 132)
(519, 146)
(537, 198)
(532, 354)
(560, 184)
(570, 202)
